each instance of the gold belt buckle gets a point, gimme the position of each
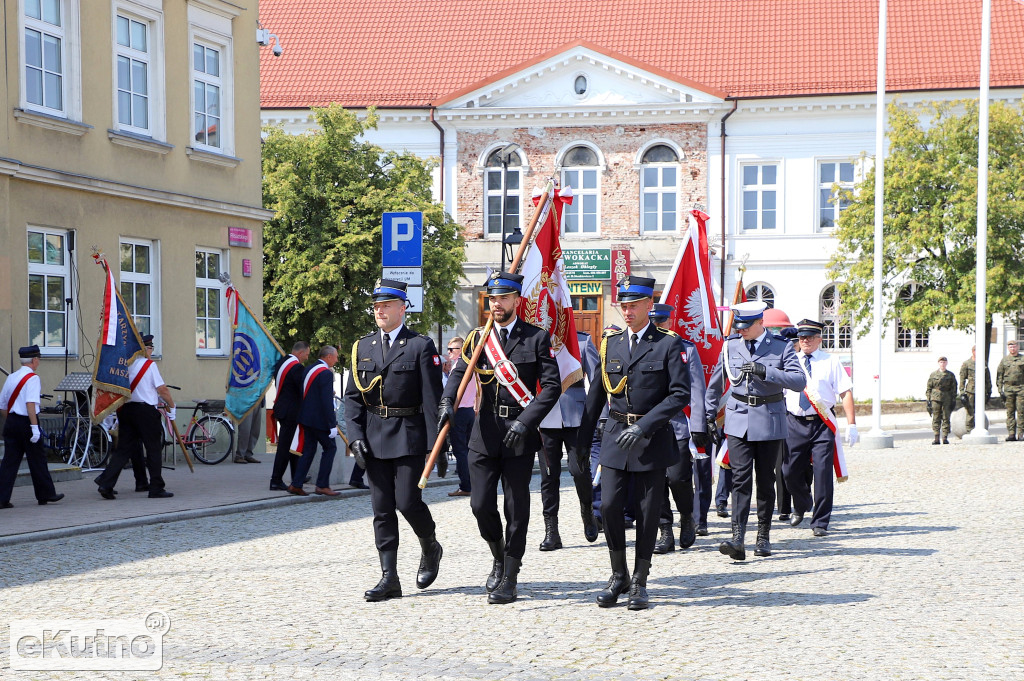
(631, 419)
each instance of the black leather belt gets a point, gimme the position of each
(757, 400)
(628, 419)
(391, 412)
(507, 411)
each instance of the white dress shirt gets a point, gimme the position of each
(828, 377)
(29, 392)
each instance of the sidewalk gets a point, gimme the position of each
(912, 420)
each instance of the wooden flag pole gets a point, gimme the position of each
(177, 437)
(478, 350)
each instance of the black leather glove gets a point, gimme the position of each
(445, 412)
(929, 407)
(1002, 396)
(516, 435)
(360, 451)
(755, 368)
(699, 439)
(964, 401)
(712, 432)
(630, 438)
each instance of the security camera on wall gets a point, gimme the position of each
(277, 50)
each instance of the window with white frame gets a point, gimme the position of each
(44, 57)
(206, 95)
(212, 81)
(499, 181)
(49, 274)
(838, 333)
(908, 339)
(834, 179)
(580, 168)
(659, 189)
(139, 283)
(761, 292)
(760, 196)
(210, 324)
(138, 67)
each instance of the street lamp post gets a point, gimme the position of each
(504, 156)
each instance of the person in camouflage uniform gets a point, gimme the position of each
(1010, 384)
(967, 387)
(941, 395)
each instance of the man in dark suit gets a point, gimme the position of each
(759, 366)
(391, 411)
(517, 358)
(644, 374)
(318, 424)
(288, 375)
(565, 421)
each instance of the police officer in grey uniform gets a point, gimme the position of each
(759, 365)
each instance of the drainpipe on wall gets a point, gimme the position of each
(735, 103)
(441, 187)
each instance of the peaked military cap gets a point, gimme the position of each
(809, 327)
(29, 351)
(635, 288)
(660, 312)
(501, 283)
(745, 314)
(389, 289)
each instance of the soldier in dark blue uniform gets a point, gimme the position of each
(288, 375)
(505, 437)
(391, 413)
(647, 382)
(759, 366)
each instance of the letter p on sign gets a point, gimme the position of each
(402, 237)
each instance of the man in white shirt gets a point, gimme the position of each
(19, 404)
(139, 425)
(811, 442)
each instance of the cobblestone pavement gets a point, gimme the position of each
(920, 578)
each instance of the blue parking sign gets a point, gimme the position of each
(402, 237)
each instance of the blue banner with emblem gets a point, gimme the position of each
(254, 354)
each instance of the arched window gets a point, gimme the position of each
(495, 178)
(908, 339)
(762, 292)
(659, 189)
(838, 333)
(580, 170)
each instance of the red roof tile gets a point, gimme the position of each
(412, 53)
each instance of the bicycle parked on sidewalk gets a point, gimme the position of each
(210, 437)
(69, 434)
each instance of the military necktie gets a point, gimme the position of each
(634, 339)
(750, 347)
(805, 403)
(387, 344)
(504, 336)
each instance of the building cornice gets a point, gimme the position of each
(689, 112)
(30, 173)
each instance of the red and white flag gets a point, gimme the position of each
(546, 301)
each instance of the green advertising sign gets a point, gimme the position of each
(587, 263)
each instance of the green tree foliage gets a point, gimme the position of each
(322, 250)
(930, 219)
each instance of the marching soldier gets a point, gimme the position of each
(759, 366)
(967, 386)
(517, 357)
(941, 393)
(1010, 384)
(391, 411)
(19, 404)
(680, 475)
(646, 379)
(288, 376)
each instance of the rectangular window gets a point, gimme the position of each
(212, 82)
(659, 190)
(908, 339)
(49, 271)
(582, 216)
(139, 284)
(830, 201)
(210, 325)
(44, 56)
(760, 196)
(513, 198)
(206, 95)
(133, 74)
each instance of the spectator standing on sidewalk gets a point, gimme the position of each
(465, 414)
(1010, 384)
(249, 430)
(941, 394)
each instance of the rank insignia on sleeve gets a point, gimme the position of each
(683, 355)
(437, 360)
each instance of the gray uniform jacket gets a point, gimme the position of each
(680, 424)
(575, 396)
(764, 421)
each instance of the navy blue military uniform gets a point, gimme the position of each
(287, 403)
(317, 418)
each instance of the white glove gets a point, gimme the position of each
(852, 436)
(172, 413)
(334, 433)
(35, 434)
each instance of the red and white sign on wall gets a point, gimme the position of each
(240, 236)
(620, 268)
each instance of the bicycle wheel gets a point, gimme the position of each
(72, 442)
(210, 439)
(99, 448)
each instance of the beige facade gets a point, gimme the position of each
(132, 127)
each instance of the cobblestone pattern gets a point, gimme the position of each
(920, 578)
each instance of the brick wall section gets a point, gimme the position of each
(620, 181)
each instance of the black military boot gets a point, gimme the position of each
(590, 529)
(552, 540)
(687, 531)
(638, 587)
(666, 543)
(936, 440)
(388, 586)
(618, 583)
(430, 561)
(506, 591)
(764, 545)
(498, 570)
(734, 548)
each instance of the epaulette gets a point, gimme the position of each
(609, 334)
(668, 332)
(733, 336)
(372, 333)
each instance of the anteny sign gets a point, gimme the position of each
(587, 263)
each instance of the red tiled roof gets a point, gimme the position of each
(413, 53)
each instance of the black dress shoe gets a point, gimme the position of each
(7, 504)
(141, 488)
(720, 510)
(820, 532)
(358, 485)
(162, 494)
(687, 531)
(702, 529)
(796, 520)
(629, 523)
(106, 492)
(590, 529)
(784, 517)
(278, 487)
(52, 500)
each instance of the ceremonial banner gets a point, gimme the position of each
(546, 301)
(254, 354)
(118, 346)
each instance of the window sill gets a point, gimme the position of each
(224, 356)
(140, 142)
(212, 157)
(51, 122)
